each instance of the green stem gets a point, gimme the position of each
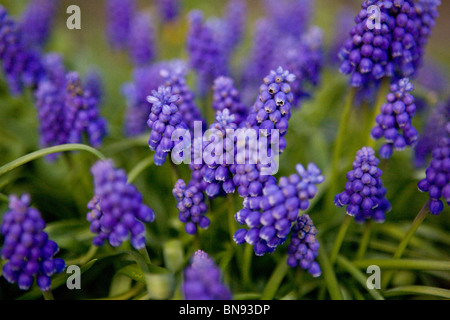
(340, 238)
(139, 168)
(43, 152)
(275, 280)
(329, 275)
(358, 275)
(246, 265)
(175, 173)
(404, 264)
(381, 98)
(364, 243)
(404, 242)
(231, 212)
(48, 295)
(343, 124)
(85, 258)
(145, 255)
(418, 290)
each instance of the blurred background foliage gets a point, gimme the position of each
(61, 191)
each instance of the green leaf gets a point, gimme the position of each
(173, 255)
(418, 290)
(134, 272)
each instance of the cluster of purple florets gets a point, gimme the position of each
(269, 217)
(117, 211)
(437, 181)
(26, 246)
(226, 96)
(191, 206)
(304, 247)
(202, 280)
(395, 47)
(163, 120)
(36, 22)
(364, 193)
(395, 121)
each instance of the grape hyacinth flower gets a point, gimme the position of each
(163, 120)
(36, 22)
(304, 247)
(141, 40)
(434, 130)
(271, 110)
(437, 181)
(395, 121)
(206, 55)
(168, 9)
(191, 206)
(235, 19)
(29, 251)
(269, 217)
(22, 66)
(226, 96)
(202, 280)
(388, 50)
(175, 77)
(93, 85)
(82, 114)
(119, 16)
(117, 211)
(364, 193)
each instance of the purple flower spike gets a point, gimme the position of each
(304, 247)
(29, 251)
(117, 211)
(364, 193)
(36, 22)
(202, 280)
(395, 121)
(141, 40)
(119, 16)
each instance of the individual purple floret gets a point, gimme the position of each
(163, 120)
(22, 66)
(29, 251)
(168, 9)
(36, 22)
(269, 217)
(226, 96)
(191, 206)
(364, 193)
(434, 130)
(437, 181)
(206, 56)
(271, 110)
(117, 211)
(141, 40)
(304, 247)
(82, 114)
(376, 51)
(175, 77)
(119, 16)
(202, 280)
(394, 123)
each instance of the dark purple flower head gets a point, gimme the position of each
(93, 85)
(364, 193)
(163, 120)
(202, 280)
(175, 77)
(117, 211)
(82, 113)
(21, 65)
(269, 217)
(206, 55)
(226, 96)
(437, 181)
(141, 40)
(395, 121)
(391, 49)
(304, 247)
(119, 15)
(37, 21)
(191, 206)
(29, 251)
(235, 20)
